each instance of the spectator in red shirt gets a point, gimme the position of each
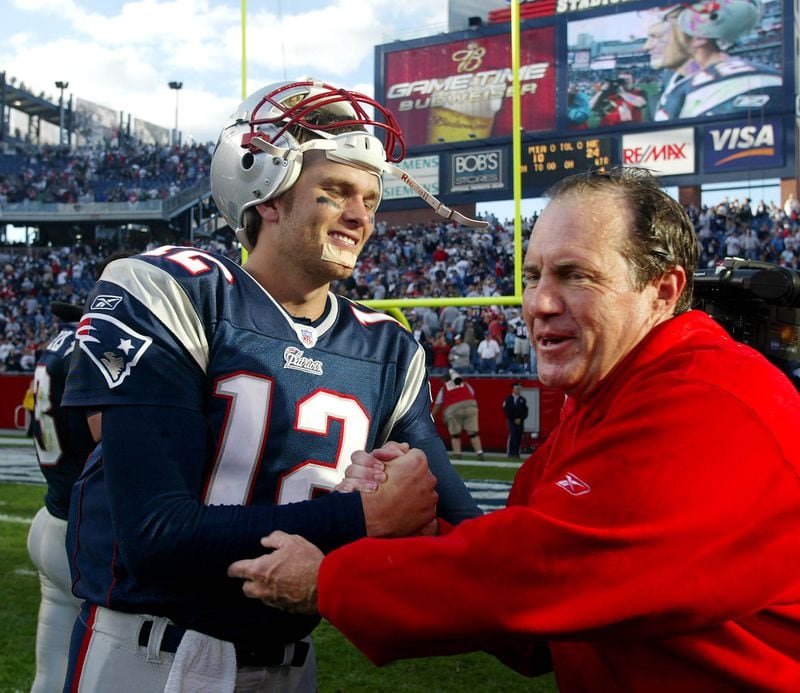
(440, 256)
(441, 352)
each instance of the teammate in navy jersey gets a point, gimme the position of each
(707, 80)
(232, 400)
(62, 441)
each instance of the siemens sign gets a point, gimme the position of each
(477, 170)
(743, 146)
(424, 169)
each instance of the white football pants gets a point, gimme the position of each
(58, 608)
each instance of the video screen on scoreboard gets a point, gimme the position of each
(675, 62)
(462, 90)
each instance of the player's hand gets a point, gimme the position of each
(405, 503)
(286, 578)
(367, 469)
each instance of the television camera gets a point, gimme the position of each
(758, 304)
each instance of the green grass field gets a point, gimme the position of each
(340, 666)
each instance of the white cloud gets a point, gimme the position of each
(122, 56)
(335, 40)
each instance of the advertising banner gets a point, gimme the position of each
(423, 169)
(150, 133)
(462, 90)
(95, 124)
(665, 152)
(743, 146)
(675, 62)
(477, 170)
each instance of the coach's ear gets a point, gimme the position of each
(669, 287)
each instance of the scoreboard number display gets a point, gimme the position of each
(544, 163)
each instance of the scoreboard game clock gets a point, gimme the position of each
(544, 163)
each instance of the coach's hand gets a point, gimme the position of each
(405, 503)
(285, 578)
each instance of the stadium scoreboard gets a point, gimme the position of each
(455, 96)
(544, 163)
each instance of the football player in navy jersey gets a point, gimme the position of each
(710, 81)
(62, 441)
(669, 51)
(232, 399)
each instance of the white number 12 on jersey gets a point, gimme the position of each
(246, 431)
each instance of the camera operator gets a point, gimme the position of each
(617, 101)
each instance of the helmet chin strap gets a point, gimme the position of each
(439, 207)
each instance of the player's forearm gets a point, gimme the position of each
(192, 539)
(161, 525)
(455, 501)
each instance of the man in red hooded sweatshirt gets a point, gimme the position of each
(652, 543)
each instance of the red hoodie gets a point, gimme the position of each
(653, 541)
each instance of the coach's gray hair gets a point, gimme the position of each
(661, 235)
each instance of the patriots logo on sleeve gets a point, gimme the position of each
(111, 345)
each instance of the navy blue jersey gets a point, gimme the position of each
(61, 436)
(244, 417)
(730, 87)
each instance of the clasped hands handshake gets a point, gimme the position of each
(398, 494)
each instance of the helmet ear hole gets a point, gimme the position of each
(248, 160)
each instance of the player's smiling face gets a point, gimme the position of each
(582, 310)
(328, 216)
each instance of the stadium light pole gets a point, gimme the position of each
(62, 86)
(177, 86)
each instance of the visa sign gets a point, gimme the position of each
(665, 152)
(743, 146)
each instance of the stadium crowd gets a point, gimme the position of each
(129, 173)
(431, 260)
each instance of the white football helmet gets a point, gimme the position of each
(725, 21)
(257, 158)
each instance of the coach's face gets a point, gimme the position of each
(583, 313)
(656, 42)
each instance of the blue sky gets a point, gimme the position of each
(123, 54)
